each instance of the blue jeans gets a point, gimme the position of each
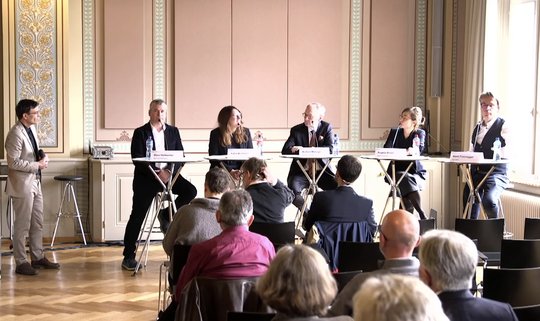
(490, 192)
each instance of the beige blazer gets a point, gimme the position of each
(22, 165)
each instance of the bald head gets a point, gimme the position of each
(400, 233)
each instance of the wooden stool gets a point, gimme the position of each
(69, 191)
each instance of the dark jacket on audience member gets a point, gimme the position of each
(463, 306)
(269, 202)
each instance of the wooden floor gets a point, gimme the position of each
(89, 286)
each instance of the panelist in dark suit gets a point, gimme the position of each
(230, 133)
(25, 161)
(313, 132)
(484, 135)
(145, 185)
(342, 204)
(447, 264)
(403, 137)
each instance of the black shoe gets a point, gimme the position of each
(129, 264)
(25, 269)
(163, 218)
(44, 263)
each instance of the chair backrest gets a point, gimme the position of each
(532, 228)
(277, 233)
(488, 232)
(331, 233)
(342, 278)
(520, 253)
(179, 257)
(354, 256)
(250, 316)
(528, 313)
(208, 299)
(426, 225)
(519, 287)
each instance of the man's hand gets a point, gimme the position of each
(269, 177)
(44, 162)
(295, 149)
(164, 175)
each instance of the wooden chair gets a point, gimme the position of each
(518, 287)
(342, 278)
(426, 225)
(277, 233)
(528, 313)
(488, 232)
(520, 253)
(249, 316)
(532, 228)
(355, 256)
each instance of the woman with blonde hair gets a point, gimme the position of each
(299, 285)
(404, 136)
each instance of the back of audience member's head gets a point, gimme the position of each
(394, 297)
(399, 234)
(349, 168)
(235, 208)
(447, 260)
(255, 167)
(298, 282)
(217, 180)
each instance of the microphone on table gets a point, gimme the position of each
(395, 135)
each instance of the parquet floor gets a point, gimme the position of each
(89, 286)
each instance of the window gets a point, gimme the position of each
(511, 72)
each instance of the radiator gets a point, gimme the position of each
(516, 207)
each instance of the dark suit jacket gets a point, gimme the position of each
(215, 148)
(341, 205)
(299, 136)
(143, 179)
(463, 306)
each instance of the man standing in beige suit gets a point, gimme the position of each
(25, 162)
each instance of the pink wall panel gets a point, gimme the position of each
(392, 60)
(124, 67)
(202, 57)
(259, 61)
(319, 59)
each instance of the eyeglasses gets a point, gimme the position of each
(379, 228)
(485, 106)
(404, 117)
(309, 116)
(36, 112)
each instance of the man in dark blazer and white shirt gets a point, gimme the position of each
(300, 136)
(145, 185)
(25, 162)
(342, 204)
(447, 264)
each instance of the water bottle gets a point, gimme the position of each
(496, 149)
(416, 146)
(259, 139)
(335, 144)
(149, 147)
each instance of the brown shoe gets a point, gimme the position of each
(44, 263)
(25, 269)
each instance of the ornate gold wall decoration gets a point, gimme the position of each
(36, 62)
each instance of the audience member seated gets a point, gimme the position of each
(235, 253)
(448, 261)
(298, 285)
(395, 297)
(399, 235)
(270, 196)
(196, 221)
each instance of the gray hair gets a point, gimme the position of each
(394, 297)
(236, 207)
(449, 257)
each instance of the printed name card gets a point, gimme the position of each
(390, 152)
(466, 156)
(242, 152)
(167, 155)
(314, 151)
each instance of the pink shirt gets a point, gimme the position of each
(234, 253)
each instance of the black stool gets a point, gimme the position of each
(69, 191)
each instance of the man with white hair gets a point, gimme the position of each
(447, 264)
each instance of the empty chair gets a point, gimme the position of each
(354, 256)
(520, 253)
(489, 234)
(518, 287)
(426, 225)
(277, 233)
(532, 228)
(528, 313)
(250, 316)
(342, 278)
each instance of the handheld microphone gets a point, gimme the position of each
(40, 154)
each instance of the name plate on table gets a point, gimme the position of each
(466, 156)
(390, 152)
(242, 152)
(314, 151)
(167, 155)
